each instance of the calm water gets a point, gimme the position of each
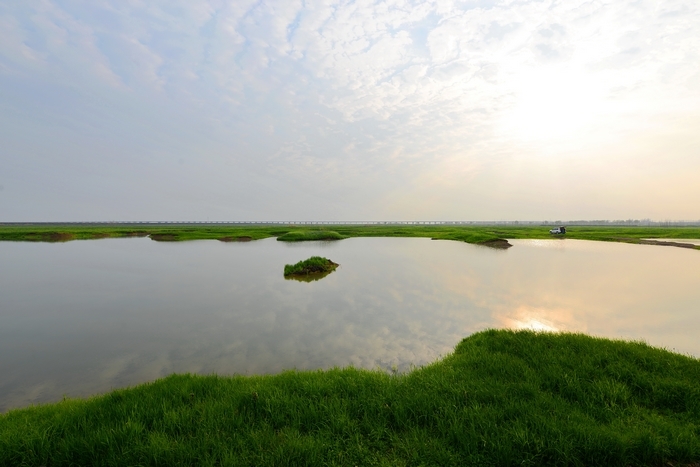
(83, 317)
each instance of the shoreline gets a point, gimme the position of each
(489, 236)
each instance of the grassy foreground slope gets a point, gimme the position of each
(503, 398)
(466, 233)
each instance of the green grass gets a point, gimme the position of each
(483, 234)
(313, 265)
(310, 235)
(502, 399)
(465, 233)
(158, 232)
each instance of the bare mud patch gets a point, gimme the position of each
(499, 244)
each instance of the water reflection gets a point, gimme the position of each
(607, 289)
(307, 277)
(80, 318)
(692, 241)
(534, 319)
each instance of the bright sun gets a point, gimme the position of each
(551, 104)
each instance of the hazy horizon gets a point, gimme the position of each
(333, 110)
(467, 222)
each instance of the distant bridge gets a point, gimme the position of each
(630, 222)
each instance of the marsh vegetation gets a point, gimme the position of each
(310, 235)
(495, 236)
(310, 270)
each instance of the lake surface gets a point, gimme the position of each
(83, 317)
(694, 241)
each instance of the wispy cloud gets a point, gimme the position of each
(403, 100)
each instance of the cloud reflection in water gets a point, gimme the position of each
(84, 317)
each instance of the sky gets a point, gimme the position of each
(119, 110)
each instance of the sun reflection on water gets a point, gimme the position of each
(535, 325)
(539, 319)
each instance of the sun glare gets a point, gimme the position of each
(539, 319)
(535, 325)
(551, 104)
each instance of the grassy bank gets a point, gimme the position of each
(487, 235)
(158, 232)
(310, 235)
(503, 398)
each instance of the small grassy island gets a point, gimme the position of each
(310, 269)
(503, 398)
(310, 235)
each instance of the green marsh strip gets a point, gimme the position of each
(487, 235)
